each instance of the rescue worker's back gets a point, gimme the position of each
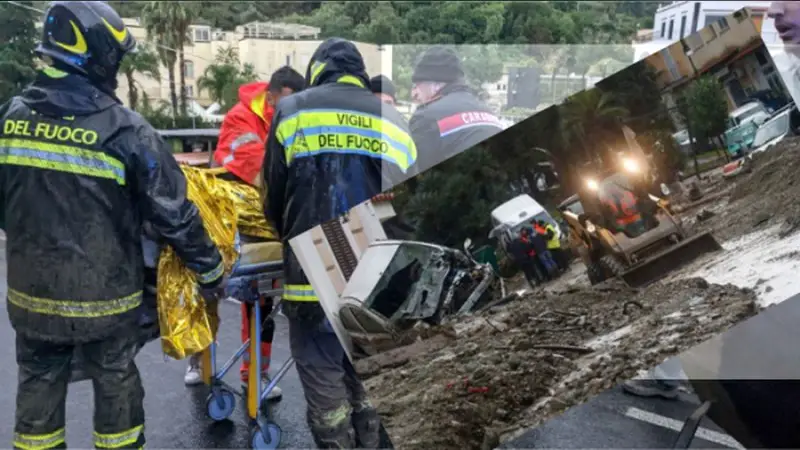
(79, 175)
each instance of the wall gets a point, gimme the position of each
(265, 55)
(709, 10)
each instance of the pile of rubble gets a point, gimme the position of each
(766, 196)
(480, 382)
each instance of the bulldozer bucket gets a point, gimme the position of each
(661, 264)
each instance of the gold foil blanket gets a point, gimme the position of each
(188, 325)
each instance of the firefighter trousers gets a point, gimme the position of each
(44, 372)
(339, 413)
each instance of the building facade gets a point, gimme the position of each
(730, 49)
(677, 20)
(266, 46)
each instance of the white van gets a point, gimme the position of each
(518, 212)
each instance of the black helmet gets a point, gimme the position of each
(88, 38)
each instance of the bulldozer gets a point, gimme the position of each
(619, 228)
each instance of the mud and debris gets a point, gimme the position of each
(492, 376)
(764, 197)
(511, 368)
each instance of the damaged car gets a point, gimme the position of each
(399, 285)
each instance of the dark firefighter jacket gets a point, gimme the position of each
(330, 148)
(450, 124)
(79, 173)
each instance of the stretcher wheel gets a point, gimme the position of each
(267, 437)
(220, 404)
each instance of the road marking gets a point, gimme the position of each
(677, 425)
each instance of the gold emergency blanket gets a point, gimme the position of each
(188, 325)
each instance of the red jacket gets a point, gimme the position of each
(243, 133)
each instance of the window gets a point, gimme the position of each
(288, 60)
(670, 62)
(762, 59)
(671, 27)
(188, 69)
(202, 34)
(189, 91)
(683, 26)
(740, 15)
(663, 28)
(695, 16)
(712, 19)
(723, 25)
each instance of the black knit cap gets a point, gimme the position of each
(382, 85)
(438, 64)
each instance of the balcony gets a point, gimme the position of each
(277, 30)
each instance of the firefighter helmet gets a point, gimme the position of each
(89, 38)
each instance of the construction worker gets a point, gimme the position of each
(326, 153)
(538, 237)
(450, 118)
(240, 151)
(81, 173)
(520, 249)
(553, 243)
(384, 89)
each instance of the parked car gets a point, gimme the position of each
(743, 123)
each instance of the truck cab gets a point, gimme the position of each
(743, 123)
(521, 211)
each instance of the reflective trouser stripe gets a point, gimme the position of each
(118, 440)
(299, 293)
(72, 308)
(39, 441)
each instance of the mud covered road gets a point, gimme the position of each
(489, 378)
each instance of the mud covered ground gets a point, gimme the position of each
(766, 196)
(511, 368)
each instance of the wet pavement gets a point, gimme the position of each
(176, 415)
(615, 419)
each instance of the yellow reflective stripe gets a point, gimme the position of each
(62, 158)
(72, 308)
(316, 70)
(317, 131)
(39, 441)
(118, 440)
(213, 274)
(299, 293)
(349, 79)
(52, 72)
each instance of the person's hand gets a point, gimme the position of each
(214, 294)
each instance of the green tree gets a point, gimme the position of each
(159, 22)
(184, 14)
(17, 60)
(145, 62)
(590, 121)
(223, 78)
(704, 108)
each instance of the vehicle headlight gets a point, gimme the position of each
(590, 227)
(630, 165)
(592, 184)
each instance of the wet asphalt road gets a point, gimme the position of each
(614, 419)
(176, 415)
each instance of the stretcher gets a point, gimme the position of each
(260, 263)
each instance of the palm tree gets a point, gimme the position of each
(184, 14)
(591, 116)
(144, 61)
(222, 78)
(167, 23)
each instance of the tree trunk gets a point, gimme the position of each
(133, 95)
(181, 63)
(173, 97)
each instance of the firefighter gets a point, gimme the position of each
(384, 89)
(80, 174)
(241, 152)
(328, 147)
(450, 118)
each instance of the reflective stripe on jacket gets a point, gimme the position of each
(333, 146)
(79, 174)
